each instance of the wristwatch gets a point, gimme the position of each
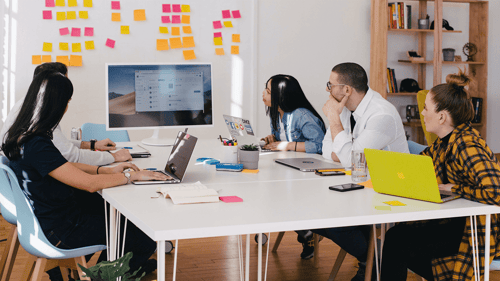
(127, 175)
(92, 144)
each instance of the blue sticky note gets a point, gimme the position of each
(212, 162)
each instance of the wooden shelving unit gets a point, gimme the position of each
(478, 34)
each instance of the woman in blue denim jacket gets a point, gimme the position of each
(286, 103)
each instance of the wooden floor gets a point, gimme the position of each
(217, 259)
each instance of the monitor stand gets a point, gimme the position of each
(155, 140)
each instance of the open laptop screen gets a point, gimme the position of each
(180, 155)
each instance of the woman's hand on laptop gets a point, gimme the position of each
(279, 145)
(446, 187)
(145, 175)
(269, 139)
(122, 167)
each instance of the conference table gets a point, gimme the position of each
(275, 199)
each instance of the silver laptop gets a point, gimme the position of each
(178, 160)
(307, 164)
(241, 130)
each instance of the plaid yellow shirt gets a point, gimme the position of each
(469, 163)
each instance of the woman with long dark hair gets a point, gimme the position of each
(295, 124)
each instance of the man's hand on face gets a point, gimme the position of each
(334, 108)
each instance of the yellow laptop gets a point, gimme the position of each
(405, 175)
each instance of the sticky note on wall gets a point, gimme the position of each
(60, 3)
(176, 31)
(87, 3)
(236, 38)
(116, 17)
(189, 54)
(83, 14)
(47, 47)
(166, 8)
(175, 43)
(75, 32)
(185, 8)
(89, 31)
(235, 50)
(176, 19)
(226, 14)
(162, 44)
(187, 29)
(228, 24)
(72, 3)
(165, 19)
(188, 42)
(110, 43)
(75, 60)
(140, 15)
(50, 3)
(218, 41)
(71, 15)
(186, 19)
(89, 45)
(63, 31)
(46, 58)
(61, 15)
(217, 34)
(236, 14)
(63, 46)
(176, 8)
(47, 15)
(217, 24)
(164, 29)
(63, 59)
(115, 5)
(124, 29)
(76, 47)
(36, 59)
(219, 51)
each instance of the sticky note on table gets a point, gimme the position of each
(248, 171)
(165, 19)
(367, 184)
(75, 31)
(89, 45)
(186, 8)
(218, 41)
(47, 47)
(166, 8)
(89, 31)
(236, 14)
(383, 208)
(115, 5)
(176, 19)
(236, 38)
(189, 55)
(235, 50)
(226, 14)
(164, 29)
(63, 59)
(188, 42)
(47, 15)
(186, 19)
(176, 8)
(124, 29)
(161, 44)
(217, 24)
(36, 59)
(110, 43)
(116, 17)
(60, 3)
(50, 3)
(83, 14)
(175, 43)
(228, 24)
(140, 15)
(72, 3)
(46, 58)
(394, 203)
(76, 47)
(176, 31)
(217, 34)
(71, 15)
(87, 3)
(63, 46)
(75, 60)
(187, 29)
(219, 51)
(230, 199)
(61, 15)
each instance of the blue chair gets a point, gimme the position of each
(98, 132)
(33, 239)
(415, 148)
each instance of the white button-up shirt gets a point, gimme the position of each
(378, 126)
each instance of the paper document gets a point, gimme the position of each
(190, 193)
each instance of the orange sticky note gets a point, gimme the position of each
(161, 44)
(60, 3)
(47, 47)
(36, 59)
(83, 14)
(89, 45)
(235, 50)
(72, 3)
(116, 17)
(187, 29)
(164, 29)
(46, 58)
(176, 31)
(175, 43)
(218, 41)
(63, 46)
(61, 15)
(75, 60)
(125, 29)
(236, 38)
(219, 51)
(248, 171)
(87, 3)
(185, 8)
(140, 15)
(63, 59)
(76, 47)
(367, 184)
(188, 42)
(71, 15)
(228, 24)
(189, 55)
(186, 19)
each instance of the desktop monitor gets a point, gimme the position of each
(154, 96)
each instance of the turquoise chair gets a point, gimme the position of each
(98, 132)
(415, 148)
(32, 237)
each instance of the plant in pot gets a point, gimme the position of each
(111, 270)
(249, 156)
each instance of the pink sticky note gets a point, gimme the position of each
(177, 8)
(64, 31)
(110, 43)
(217, 24)
(75, 32)
(230, 199)
(236, 14)
(50, 3)
(226, 14)
(166, 8)
(165, 19)
(217, 34)
(89, 31)
(115, 5)
(47, 15)
(176, 19)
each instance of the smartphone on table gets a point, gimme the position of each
(346, 187)
(329, 172)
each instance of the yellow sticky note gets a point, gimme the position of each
(47, 47)
(189, 55)
(46, 58)
(36, 59)
(139, 15)
(63, 46)
(89, 45)
(219, 51)
(228, 24)
(236, 38)
(187, 29)
(383, 208)
(87, 3)
(83, 14)
(72, 3)
(61, 15)
(63, 59)
(60, 3)
(116, 17)
(176, 31)
(235, 50)
(185, 8)
(218, 41)
(76, 47)
(185, 19)
(71, 15)
(395, 203)
(164, 29)
(161, 44)
(75, 60)
(175, 43)
(188, 42)
(125, 29)
(248, 171)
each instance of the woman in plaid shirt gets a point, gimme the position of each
(441, 249)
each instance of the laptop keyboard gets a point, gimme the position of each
(163, 172)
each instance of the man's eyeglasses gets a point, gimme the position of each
(330, 85)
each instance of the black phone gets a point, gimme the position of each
(346, 187)
(328, 173)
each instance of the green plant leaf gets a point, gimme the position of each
(110, 270)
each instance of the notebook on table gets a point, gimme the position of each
(307, 164)
(405, 175)
(241, 130)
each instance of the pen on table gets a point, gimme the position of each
(124, 147)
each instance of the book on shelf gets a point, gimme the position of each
(392, 84)
(399, 15)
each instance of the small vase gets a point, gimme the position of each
(249, 159)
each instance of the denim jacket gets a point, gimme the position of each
(302, 126)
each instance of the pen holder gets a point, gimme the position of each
(230, 154)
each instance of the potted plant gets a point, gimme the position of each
(249, 156)
(111, 270)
